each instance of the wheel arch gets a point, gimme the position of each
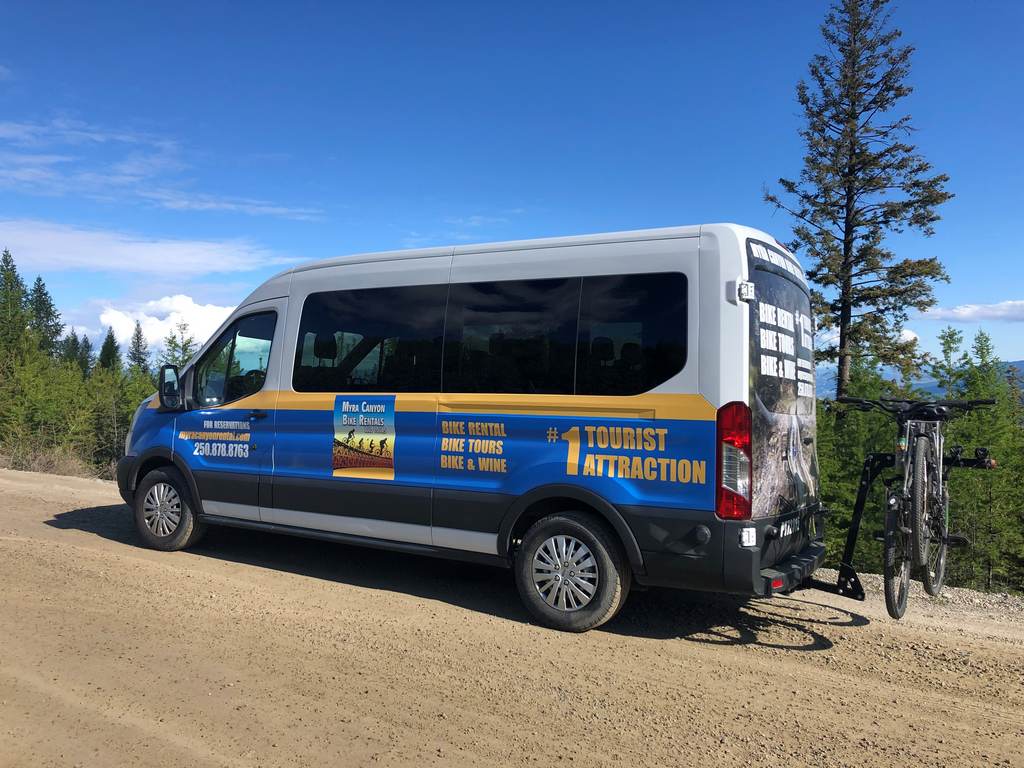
(158, 457)
(549, 499)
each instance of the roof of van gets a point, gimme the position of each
(661, 233)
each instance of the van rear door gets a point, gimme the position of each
(782, 396)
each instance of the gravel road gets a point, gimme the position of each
(255, 650)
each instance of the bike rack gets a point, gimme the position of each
(848, 584)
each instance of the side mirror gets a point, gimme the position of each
(169, 388)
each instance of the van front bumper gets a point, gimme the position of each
(125, 473)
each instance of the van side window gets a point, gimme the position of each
(371, 340)
(511, 336)
(236, 365)
(632, 333)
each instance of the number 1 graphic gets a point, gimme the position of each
(572, 460)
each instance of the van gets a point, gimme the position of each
(591, 412)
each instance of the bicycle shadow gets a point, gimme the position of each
(784, 622)
(661, 614)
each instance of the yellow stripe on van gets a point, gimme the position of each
(647, 406)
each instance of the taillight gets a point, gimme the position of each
(733, 498)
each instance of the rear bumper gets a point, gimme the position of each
(735, 556)
(787, 575)
(125, 474)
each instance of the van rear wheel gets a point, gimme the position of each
(571, 573)
(165, 516)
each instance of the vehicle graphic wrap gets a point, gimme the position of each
(220, 438)
(662, 462)
(364, 437)
(782, 390)
(620, 448)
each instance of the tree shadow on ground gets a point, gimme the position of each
(790, 623)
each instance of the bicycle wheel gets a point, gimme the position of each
(934, 572)
(920, 501)
(896, 570)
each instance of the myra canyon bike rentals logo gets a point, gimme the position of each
(364, 437)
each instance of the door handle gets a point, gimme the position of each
(258, 414)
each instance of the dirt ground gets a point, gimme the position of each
(271, 651)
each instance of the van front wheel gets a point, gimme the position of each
(571, 573)
(165, 516)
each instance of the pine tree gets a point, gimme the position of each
(138, 350)
(45, 320)
(85, 356)
(179, 346)
(14, 313)
(110, 353)
(985, 506)
(70, 347)
(950, 369)
(860, 181)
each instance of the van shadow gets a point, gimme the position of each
(791, 624)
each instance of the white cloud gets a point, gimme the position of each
(41, 245)
(908, 335)
(461, 229)
(826, 337)
(160, 317)
(181, 201)
(133, 165)
(74, 132)
(474, 221)
(1011, 311)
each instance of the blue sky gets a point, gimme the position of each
(158, 163)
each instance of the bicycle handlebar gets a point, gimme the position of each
(948, 403)
(896, 407)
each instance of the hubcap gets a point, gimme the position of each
(161, 509)
(565, 573)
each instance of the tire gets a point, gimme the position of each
(920, 533)
(896, 565)
(933, 574)
(566, 601)
(161, 496)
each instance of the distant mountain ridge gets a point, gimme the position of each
(826, 375)
(931, 386)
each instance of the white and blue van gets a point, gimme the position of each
(592, 412)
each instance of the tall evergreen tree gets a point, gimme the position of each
(110, 353)
(986, 505)
(860, 181)
(138, 350)
(949, 370)
(14, 313)
(179, 346)
(70, 347)
(45, 318)
(86, 358)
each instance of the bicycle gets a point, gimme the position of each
(916, 530)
